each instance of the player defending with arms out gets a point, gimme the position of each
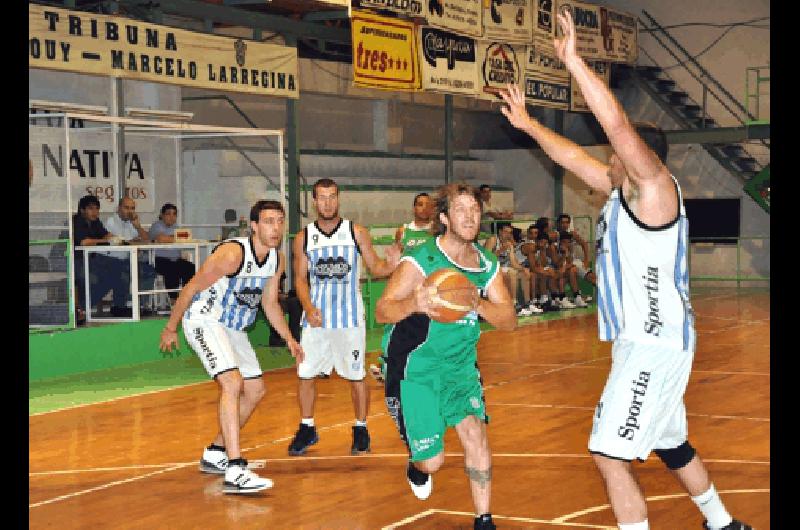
(643, 298)
(216, 306)
(409, 236)
(326, 272)
(432, 379)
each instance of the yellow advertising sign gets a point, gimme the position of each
(60, 39)
(384, 52)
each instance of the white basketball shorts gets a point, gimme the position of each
(642, 407)
(328, 348)
(221, 349)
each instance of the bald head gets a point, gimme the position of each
(127, 209)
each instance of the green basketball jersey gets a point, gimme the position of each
(414, 237)
(421, 344)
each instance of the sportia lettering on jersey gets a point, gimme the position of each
(333, 275)
(233, 300)
(642, 277)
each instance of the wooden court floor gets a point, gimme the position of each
(132, 462)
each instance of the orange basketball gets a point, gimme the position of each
(454, 294)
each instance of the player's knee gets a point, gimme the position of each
(677, 457)
(255, 389)
(431, 465)
(231, 382)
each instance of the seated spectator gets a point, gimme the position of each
(106, 273)
(489, 210)
(291, 306)
(125, 225)
(582, 262)
(546, 275)
(504, 247)
(526, 253)
(176, 271)
(565, 271)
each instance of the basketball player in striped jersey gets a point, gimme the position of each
(326, 256)
(215, 307)
(643, 297)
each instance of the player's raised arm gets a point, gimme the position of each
(640, 162)
(378, 267)
(563, 151)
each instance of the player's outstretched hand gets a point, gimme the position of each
(296, 350)
(565, 46)
(314, 317)
(169, 339)
(514, 109)
(425, 300)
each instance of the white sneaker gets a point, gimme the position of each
(524, 312)
(535, 309)
(421, 492)
(566, 304)
(239, 479)
(215, 462)
(579, 302)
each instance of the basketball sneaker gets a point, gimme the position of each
(580, 302)
(734, 525)
(566, 304)
(535, 309)
(360, 440)
(421, 483)
(239, 479)
(214, 461)
(484, 522)
(305, 437)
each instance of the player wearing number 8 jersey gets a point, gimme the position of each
(432, 379)
(215, 307)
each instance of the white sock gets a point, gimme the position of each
(711, 506)
(635, 526)
(360, 423)
(307, 421)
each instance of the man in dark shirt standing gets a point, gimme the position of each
(106, 273)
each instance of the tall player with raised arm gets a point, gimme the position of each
(643, 297)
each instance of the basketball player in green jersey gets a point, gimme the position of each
(408, 236)
(417, 231)
(432, 378)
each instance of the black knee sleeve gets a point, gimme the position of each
(678, 457)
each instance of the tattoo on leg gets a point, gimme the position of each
(481, 476)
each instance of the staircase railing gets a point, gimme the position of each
(708, 83)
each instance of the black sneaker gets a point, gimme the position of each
(305, 437)
(360, 440)
(484, 522)
(421, 483)
(734, 525)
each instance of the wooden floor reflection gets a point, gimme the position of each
(132, 463)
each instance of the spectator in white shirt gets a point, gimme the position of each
(125, 225)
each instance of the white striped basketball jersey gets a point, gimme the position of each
(333, 275)
(233, 300)
(642, 277)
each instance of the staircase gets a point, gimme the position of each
(690, 114)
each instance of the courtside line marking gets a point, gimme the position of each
(117, 398)
(259, 463)
(426, 513)
(649, 499)
(540, 406)
(104, 486)
(407, 520)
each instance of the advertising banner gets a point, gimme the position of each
(384, 52)
(448, 62)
